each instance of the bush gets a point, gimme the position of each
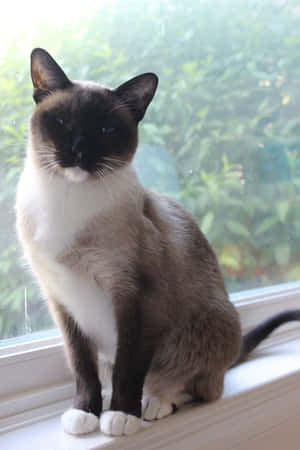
(222, 135)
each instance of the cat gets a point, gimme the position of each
(126, 272)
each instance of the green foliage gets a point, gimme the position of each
(222, 133)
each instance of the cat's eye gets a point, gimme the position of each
(60, 121)
(108, 130)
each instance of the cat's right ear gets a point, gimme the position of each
(46, 75)
(138, 92)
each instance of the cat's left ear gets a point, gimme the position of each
(46, 75)
(138, 93)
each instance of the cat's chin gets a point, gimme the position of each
(75, 174)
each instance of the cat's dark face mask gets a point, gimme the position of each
(81, 129)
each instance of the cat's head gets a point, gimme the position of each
(82, 130)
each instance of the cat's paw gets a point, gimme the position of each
(77, 421)
(117, 423)
(154, 408)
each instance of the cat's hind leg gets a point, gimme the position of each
(206, 387)
(162, 396)
(158, 407)
(203, 387)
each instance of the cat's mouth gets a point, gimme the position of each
(75, 174)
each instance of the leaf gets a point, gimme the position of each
(229, 261)
(203, 112)
(237, 228)
(207, 222)
(266, 225)
(231, 256)
(282, 254)
(190, 67)
(294, 274)
(282, 210)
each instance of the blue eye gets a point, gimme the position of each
(108, 130)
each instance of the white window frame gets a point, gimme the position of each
(35, 374)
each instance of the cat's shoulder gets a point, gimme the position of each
(163, 207)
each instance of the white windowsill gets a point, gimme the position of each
(261, 395)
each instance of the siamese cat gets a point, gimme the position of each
(126, 272)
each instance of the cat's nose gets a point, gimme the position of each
(77, 148)
(77, 143)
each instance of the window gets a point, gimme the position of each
(222, 135)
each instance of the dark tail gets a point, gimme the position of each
(262, 331)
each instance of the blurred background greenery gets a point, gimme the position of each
(222, 135)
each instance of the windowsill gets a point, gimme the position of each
(260, 395)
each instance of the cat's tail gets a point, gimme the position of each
(262, 331)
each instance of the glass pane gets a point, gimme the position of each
(222, 135)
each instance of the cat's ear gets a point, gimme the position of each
(138, 92)
(46, 75)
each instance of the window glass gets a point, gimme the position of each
(222, 135)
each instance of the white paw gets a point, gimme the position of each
(76, 421)
(117, 423)
(155, 408)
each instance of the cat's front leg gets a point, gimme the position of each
(84, 416)
(133, 358)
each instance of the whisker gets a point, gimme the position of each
(108, 159)
(46, 156)
(114, 164)
(45, 149)
(49, 165)
(106, 166)
(101, 174)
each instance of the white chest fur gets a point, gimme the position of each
(59, 209)
(90, 305)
